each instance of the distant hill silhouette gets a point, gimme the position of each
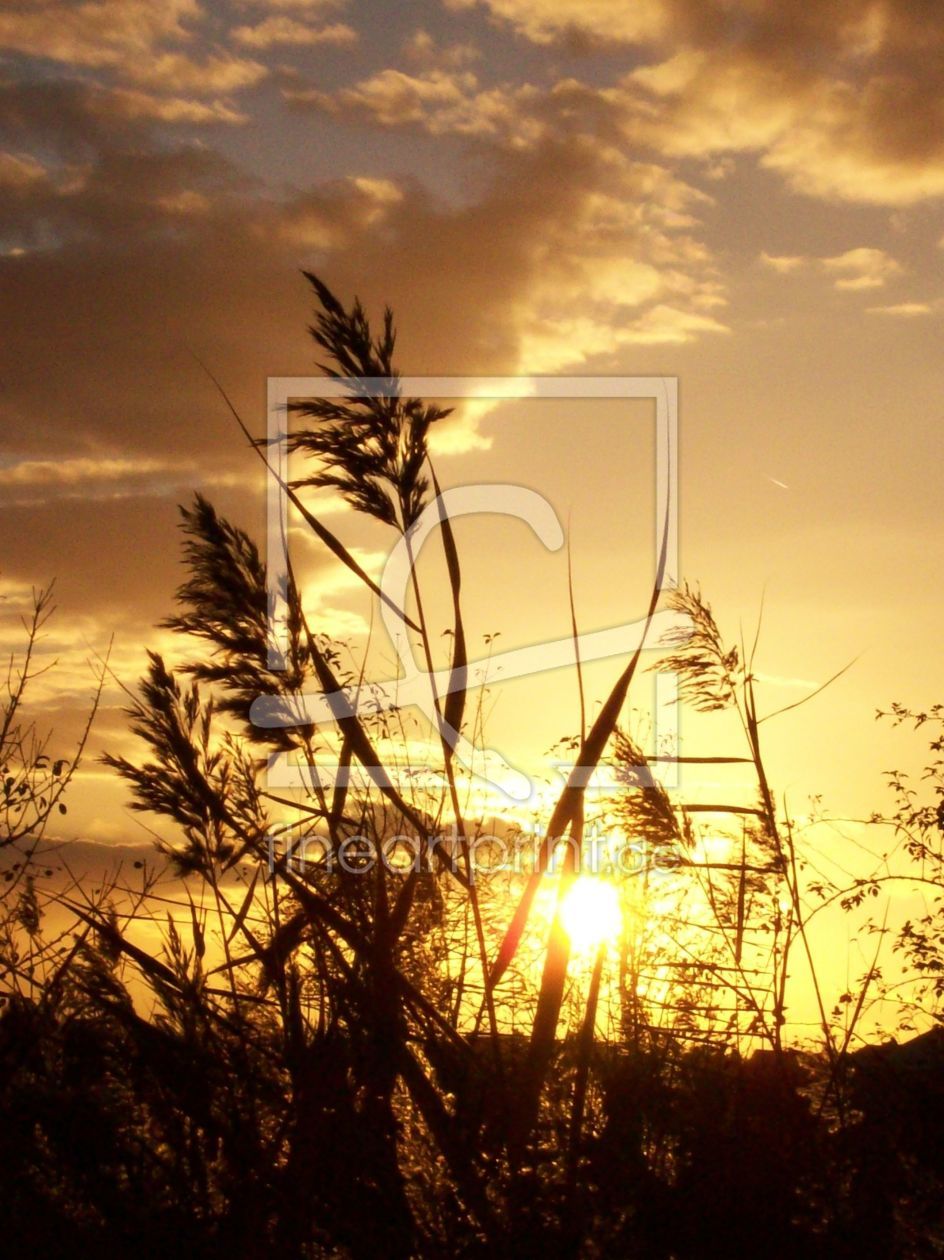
(53, 860)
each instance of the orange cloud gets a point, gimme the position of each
(784, 264)
(423, 50)
(862, 269)
(546, 20)
(854, 270)
(129, 37)
(285, 30)
(20, 170)
(131, 104)
(178, 72)
(96, 32)
(843, 101)
(903, 310)
(441, 102)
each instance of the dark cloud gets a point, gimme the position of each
(110, 559)
(844, 100)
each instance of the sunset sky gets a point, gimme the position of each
(745, 195)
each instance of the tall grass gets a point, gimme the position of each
(334, 1057)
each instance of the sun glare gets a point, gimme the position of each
(591, 914)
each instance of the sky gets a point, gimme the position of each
(744, 195)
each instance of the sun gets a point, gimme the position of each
(591, 914)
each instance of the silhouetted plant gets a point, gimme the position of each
(33, 781)
(317, 1061)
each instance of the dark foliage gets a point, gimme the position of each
(311, 1064)
(371, 448)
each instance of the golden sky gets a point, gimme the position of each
(742, 194)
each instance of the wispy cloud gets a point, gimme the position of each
(422, 49)
(139, 40)
(71, 472)
(279, 30)
(97, 32)
(862, 268)
(842, 102)
(38, 481)
(904, 310)
(853, 270)
(784, 264)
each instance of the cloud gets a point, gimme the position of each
(96, 32)
(176, 72)
(844, 102)
(34, 482)
(20, 170)
(544, 21)
(108, 316)
(325, 582)
(460, 433)
(332, 576)
(879, 140)
(137, 252)
(564, 253)
(668, 325)
(570, 244)
(614, 250)
(74, 119)
(838, 101)
(130, 38)
(784, 264)
(137, 192)
(70, 472)
(696, 103)
(879, 143)
(327, 218)
(422, 49)
(311, 8)
(324, 502)
(903, 310)
(185, 202)
(849, 32)
(852, 271)
(441, 102)
(133, 105)
(16, 597)
(862, 268)
(383, 191)
(549, 344)
(609, 236)
(285, 30)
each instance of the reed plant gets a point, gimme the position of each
(332, 1057)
